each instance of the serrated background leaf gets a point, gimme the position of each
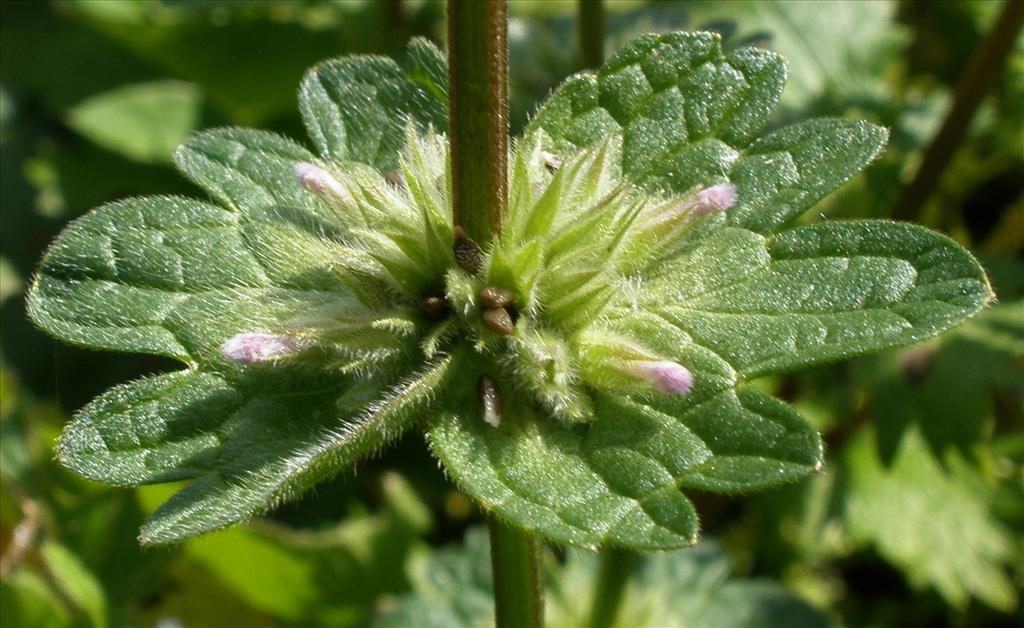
(915, 512)
(453, 588)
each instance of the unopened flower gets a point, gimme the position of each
(663, 375)
(714, 199)
(320, 182)
(255, 347)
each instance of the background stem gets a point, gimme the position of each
(518, 587)
(984, 68)
(612, 577)
(590, 24)
(478, 127)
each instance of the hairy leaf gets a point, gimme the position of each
(617, 481)
(817, 292)
(356, 108)
(687, 114)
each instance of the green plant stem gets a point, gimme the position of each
(478, 127)
(612, 577)
(590, 23)
(983, 69)
(518, 588)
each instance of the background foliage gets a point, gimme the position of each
(918, 518)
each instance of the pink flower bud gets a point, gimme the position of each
(320, 182)
(664, 376)
(254, 347)
(714, 199)
(551, 161)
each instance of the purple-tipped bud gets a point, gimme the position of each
(320, 182)
(255, 347)
(715, 199)
(551, 161)
(664, 376)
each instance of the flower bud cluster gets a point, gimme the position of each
(531, 304)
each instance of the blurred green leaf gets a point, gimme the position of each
(75, 582)
(331, 576)
(950, 389)
(452, 588)
(932, 523)
(10, 283)
(145, 121)
(248, 57)
(27, 600)
(688, 588)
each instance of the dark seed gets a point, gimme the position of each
(490, 399)
(468, 253)
(494, 296)
(394, 178)
(434, 306)
(498, 320)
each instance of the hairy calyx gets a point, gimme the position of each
(531, 305)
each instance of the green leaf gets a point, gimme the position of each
(933, 524)
(27, 600)
(245, 169)
(780, 176)
(157, 275)
(249, 445)
(76, 583)
(356, 108)
(616, 481)
(816, 293)
(178, 278)
(723, 101)
(838, 56)
(144, 121)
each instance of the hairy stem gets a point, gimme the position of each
(478, 126)
(590, 24)
(478, 93)
(616, 566)
(518, 586)
(984, 68)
